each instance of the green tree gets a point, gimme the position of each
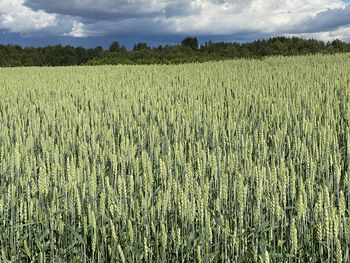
(116, 47)
(141, 46)
(191, 42)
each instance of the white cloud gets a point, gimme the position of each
(265, 16)
(342, 33)
(79, 18)
(78, 30)
(16, 17)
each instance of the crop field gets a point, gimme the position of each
(236, 161)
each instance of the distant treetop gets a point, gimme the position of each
(188, 51)
(191, 42)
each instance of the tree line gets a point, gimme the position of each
(188, 51)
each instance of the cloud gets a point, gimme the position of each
(269, 16)
(16, 17)
(329, 19)
(342, 33)
(117, 9)
(78, 30)
(255, 18)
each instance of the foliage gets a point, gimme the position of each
(116, 47)
(187, 52)
(190, 42)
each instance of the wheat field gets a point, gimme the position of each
(235, 161)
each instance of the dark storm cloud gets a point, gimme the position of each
(112, 10)
(234, 19)
(325, 21)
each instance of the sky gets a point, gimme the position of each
(90, 23)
